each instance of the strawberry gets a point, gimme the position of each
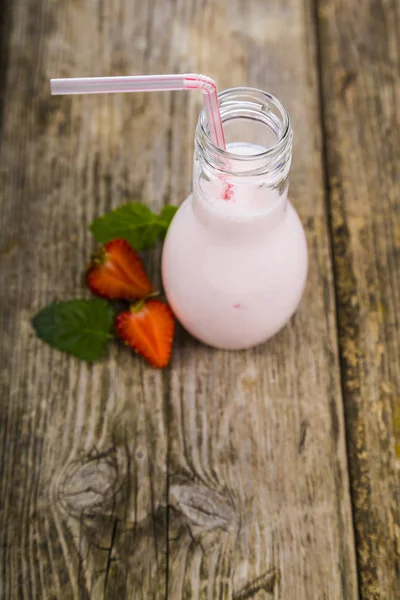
(148, 327)
(116, 272)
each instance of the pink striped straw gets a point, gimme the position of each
(150, 83)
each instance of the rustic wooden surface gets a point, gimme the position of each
(224, 477)
(360, 60)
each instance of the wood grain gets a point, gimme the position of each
(361, 89)
(225, 476)
(263, 429)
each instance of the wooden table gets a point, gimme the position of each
(267, 473)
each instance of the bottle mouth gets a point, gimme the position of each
(253, 118)
(251, 105)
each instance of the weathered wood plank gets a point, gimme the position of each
(224, 477)
(260, 433)
(84, 463)
(361, 89)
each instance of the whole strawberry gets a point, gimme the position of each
(148, 327)
(116, 272)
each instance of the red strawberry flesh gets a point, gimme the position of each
(116, 272)
(148, 327)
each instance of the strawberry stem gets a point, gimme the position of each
(152, 295)
(98, 258)
(138, 306)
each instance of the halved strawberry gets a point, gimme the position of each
(148, 327)
(116, 272)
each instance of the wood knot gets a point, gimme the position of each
(204, 508)
(259, 587)
(90, 483)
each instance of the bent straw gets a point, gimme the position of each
(150, 83)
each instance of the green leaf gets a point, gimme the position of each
(167, 214)
(135, 223)
(79, 327)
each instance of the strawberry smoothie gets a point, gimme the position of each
(235, 257)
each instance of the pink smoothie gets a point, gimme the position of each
(234, 269)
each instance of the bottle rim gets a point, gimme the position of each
(254, 104)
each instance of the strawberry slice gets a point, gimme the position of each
(148, 327)
(116, 272)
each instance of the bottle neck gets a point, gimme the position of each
(250, 178)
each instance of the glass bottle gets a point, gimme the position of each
(235, 258)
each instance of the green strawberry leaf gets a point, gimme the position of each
(166, 216)
(135, 223)
(79, 327)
